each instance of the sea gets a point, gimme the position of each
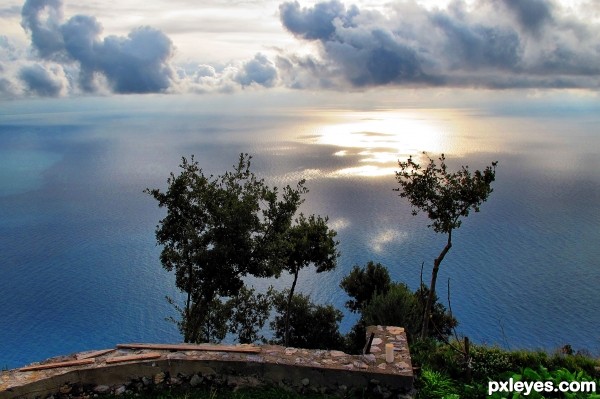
(79, 263)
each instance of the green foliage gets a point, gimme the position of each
(362, 284)
(249, 312)
(311, 326)
(496, 364)
(445, 196)
(489, 362)
(216, 231)
(441, 321)
(310, 242)
(382, 302)
(435, 385)
(397, 307)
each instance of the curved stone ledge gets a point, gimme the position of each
(150, 366)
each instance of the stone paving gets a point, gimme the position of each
(121, 368)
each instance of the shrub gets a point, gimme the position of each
(312, 326)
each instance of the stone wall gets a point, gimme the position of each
(145, 367)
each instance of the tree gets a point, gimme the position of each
(446, 197)
(309, 241)
(216, 231)
(363, 284)
(249, 312)
(311, 326)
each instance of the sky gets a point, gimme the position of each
(63, 48)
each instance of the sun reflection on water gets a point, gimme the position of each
(378, 139)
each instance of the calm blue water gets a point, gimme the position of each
(79, 267)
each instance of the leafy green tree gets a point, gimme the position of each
(446, 197)
(311, 326)
(216, 231)
(309, 242)
(362, 284)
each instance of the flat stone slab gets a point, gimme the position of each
(191, 347)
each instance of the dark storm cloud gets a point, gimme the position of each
(316, 22)
(532, 15)
(494, 44)
(42, 81)
(138, 63)
(45, 32)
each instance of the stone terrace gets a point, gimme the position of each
(142, 367)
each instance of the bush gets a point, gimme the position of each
(312, 326)
(397, 307)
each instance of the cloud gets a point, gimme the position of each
(45, 32)
(138, 63)
(532, 15)
(260, 70)
(492, 44)
(44, 81)
(141, 62)
(317, 22)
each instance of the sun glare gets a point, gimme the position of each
(378, 139)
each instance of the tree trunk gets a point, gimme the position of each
(431, 297)
(287, 311)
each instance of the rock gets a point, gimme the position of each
(290, 351)
(376, 341)
(101, 389)
(120, 390)
(381, 366)
(146, 381)
(375, 349)
(370, 358)
(360, 365)
(395, 330)
(195, 380)
(159, 378)
(402, 365)
(337, 354)
(174, 381)
(177, 356)
(305, 382)
(65, 389)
